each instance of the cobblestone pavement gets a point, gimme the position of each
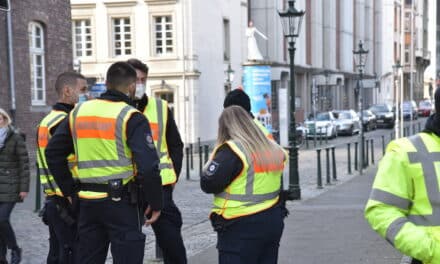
(198, 235)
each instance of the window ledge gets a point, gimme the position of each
(40, 108)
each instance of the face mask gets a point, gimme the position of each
(140, 90)
(82, 98)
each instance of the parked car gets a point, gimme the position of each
(409, 108)
(369, 120)
(347, 122)
(323, 125)
(426, 108)
(384, 115)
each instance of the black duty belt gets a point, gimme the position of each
(94, 187)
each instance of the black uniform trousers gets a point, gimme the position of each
(252, 239)
(62, 234)
(168, 230)
(106, 222)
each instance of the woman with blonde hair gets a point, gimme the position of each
(244, 174)
(14, 183)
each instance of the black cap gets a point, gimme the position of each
(238, 97)
(437, 100)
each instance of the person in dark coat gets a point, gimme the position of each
(14, 183)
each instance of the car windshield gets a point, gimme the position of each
(323, 117)
(379, 108)
(426, 104)
(406, 106)
(344, 115)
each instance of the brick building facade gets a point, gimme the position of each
(42, 48)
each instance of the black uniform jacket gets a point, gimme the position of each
(60, 107)
(144, 154)
(221, 171)
(172, 136)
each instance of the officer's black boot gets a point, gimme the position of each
(16, 255)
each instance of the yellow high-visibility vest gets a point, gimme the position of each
(157, 114)
(256, 189)
(98, 130)
(404, 204)
(46, 178)
(264, 129)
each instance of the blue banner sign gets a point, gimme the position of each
(97, 89)
(257, 84)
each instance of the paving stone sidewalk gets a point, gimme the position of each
(195, 206)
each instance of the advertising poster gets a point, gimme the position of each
(97, 89)
(257, 84)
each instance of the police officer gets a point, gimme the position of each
(107, 135)
(244, 174)
(240, 98)
(404, 204)
(58, 213)
(169, 145)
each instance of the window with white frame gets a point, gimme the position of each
(163, 35)
(167, 96)
(82, 38)
(37, 63)
(121, 36)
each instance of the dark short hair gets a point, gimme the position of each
(120, 74)
(67, 78)
(138, 65)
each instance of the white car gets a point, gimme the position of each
(347, 122)
(323, 125)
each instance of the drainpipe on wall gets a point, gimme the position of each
(11, 66)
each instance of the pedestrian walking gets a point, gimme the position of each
(244, 174)
(240, 98)
(169, 146)
(58, 213)
(404, 204)
(114, 152)
(14, 184)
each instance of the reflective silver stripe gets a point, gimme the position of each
(165, 166)
(427, 160)
(103, 163)
(55, 119)
(162, 154)
(160, 125)
(256, 198)
(389, 198)
(43, 172)
(249, 196)
(105, 179)
(394, 228)
(119, 136)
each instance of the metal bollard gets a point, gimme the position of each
(349, 158)
(413, 129)
(356, 155)
(206, 153)
(314, 139)
(335, 178)
(418, 124)
(191, 155)
(391, 136)
(318, 151)
(366, 153)
(306, 139)
(326, 136)
(372, 151)
(383, 145)
(38, 194)
(327, 157)
(200, 158)
(187, 162)
(320, 139)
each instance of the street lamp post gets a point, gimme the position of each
(360, 57)
(396, 69)
(229, 78)
(291, 20)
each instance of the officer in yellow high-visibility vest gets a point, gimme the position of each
(58, 214)
(244, 174)
(240, 98)
(113, 147)
(169, 145)
(404, 204)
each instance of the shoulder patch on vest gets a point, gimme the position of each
(211, 168)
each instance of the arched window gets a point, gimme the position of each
(37, 63)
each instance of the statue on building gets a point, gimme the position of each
(254, 53)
